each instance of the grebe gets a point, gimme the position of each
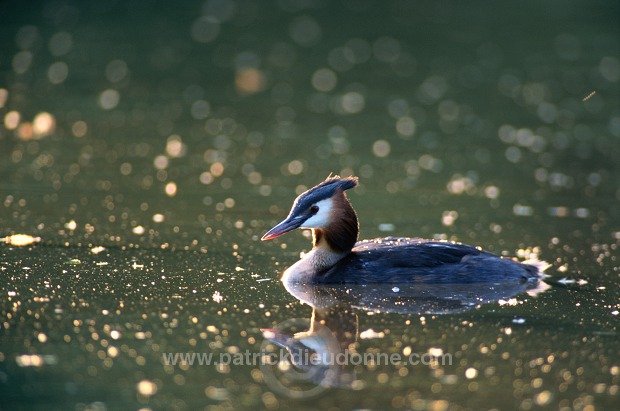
(337, 256)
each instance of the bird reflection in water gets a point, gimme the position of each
(319, 352)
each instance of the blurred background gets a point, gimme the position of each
(115, 111)
(149, 145)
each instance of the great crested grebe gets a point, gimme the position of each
(337, 256)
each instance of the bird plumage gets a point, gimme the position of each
(337, 257)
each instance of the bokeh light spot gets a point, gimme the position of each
(4, 96)
(161, 162)
(295, 167)
(205, 29)
(24, 131)
(610, 68)
(206, 177)
(109, 99)
(381, 148)
(126, 169)
(12, 119)
(171, 189)
(352, 102)
(200, 109)
(217, 169)
(21, 62)
(175, 146)
(146, 388)
(43, 125)
(79, 128)
(116, 71)
(324, 80)
(305, 31)
(57, 72)
(249, 81)
(405, 126)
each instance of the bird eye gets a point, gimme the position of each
(314, 209)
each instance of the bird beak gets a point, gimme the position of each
(283, 228)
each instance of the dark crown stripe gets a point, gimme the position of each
(322, 191)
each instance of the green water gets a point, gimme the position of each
(147, 147)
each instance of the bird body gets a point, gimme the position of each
(401, 260)
(337, 257)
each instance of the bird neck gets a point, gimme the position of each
(340, 235)
(330, 244)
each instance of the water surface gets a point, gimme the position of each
(145, 150)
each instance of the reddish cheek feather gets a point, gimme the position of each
(341, 231)
(338, 211)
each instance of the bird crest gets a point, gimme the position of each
(324, 190)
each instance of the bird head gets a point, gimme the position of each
(315, 208)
